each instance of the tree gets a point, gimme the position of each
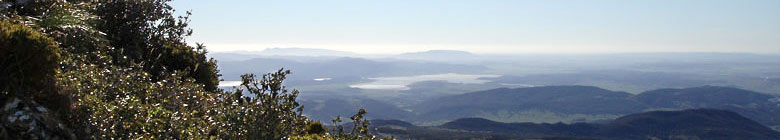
(147, 33)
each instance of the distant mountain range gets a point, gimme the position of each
(704, 124)
(548, 104)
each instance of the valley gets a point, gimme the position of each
(424, 89)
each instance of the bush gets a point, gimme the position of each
(28, 65)
(28, 92)
(122, 70)
(117, 102)
(316, 128)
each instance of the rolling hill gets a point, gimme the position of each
(587, 104)
(709, 124)
(525, 103)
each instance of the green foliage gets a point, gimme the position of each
(28, 65)
(315, 128)
(122, 70)
(32, 8)
(28, 89)
(338, 129)
(360, 125)
(184, 58)
(268, 111)
(147, 33)
(359, 131)
(124, 103)
(109, 101)
(142, 33)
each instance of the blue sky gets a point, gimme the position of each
(488, 26)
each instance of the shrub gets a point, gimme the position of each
(316, 128)
(28, 91)
(28, 65)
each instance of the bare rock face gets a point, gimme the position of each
(20, 119)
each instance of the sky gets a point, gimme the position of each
(488, 26)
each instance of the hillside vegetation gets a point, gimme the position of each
(123, 70)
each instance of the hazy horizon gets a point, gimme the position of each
(392, 27)
(257, 50)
